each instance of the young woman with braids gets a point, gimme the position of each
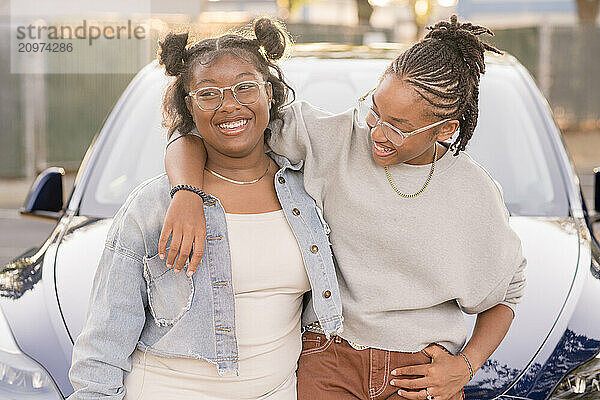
(420, 231)
(232, 331)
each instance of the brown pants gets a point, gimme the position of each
(334, 370)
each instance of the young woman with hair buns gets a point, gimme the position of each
(419, 230)
(232, 331)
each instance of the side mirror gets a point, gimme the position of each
(45, 197)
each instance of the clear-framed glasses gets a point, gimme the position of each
(393, 134)
(211, 98)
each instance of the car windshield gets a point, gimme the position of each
(510, 141)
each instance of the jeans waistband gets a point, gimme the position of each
(315, 327)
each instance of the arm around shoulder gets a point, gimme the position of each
(185, 157)
(306, 132)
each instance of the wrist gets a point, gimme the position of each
(474, 358)
(192, 190)
(188, 195)
(469, 367)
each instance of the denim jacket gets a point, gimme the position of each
(137, 302)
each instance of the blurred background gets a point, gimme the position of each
(50, 119)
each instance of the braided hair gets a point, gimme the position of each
(444, 69)
(262, 48)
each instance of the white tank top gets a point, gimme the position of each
(269, 280)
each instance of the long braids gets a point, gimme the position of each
(444, 68)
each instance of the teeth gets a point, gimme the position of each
(383, 149)
(233, 124)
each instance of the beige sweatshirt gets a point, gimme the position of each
(407, 268)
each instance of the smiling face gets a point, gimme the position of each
(233, 130)
(397, 103)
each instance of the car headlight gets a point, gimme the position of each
(20, 376)
(582, 383)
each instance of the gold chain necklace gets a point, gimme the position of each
(410, 196)
(239, 182)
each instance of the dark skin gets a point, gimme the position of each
(398, 103)
(238, 155)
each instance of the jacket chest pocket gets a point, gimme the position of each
(169, 294)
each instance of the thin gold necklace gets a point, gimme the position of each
(410, 196)
(239, 182)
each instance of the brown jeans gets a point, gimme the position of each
(331, 369)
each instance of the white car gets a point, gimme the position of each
(44, 294)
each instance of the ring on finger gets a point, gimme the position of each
(429, 396)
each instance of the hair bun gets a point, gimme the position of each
(173, 53)
(271, 38)
(453, 28)
(464, 38)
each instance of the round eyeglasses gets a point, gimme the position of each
(393, 134)
(211, 98)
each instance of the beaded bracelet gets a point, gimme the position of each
(468, 364)
(190, 188)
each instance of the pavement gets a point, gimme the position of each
(18, 234)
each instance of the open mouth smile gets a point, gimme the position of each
(234, 127)
(382, 151)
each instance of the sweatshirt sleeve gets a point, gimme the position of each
(308, 133)
(508, 292)
(504, 265)
(321, 139)
(516, 288)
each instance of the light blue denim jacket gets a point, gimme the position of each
(137, 302)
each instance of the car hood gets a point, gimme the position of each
(76, 263)
(551, 246)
